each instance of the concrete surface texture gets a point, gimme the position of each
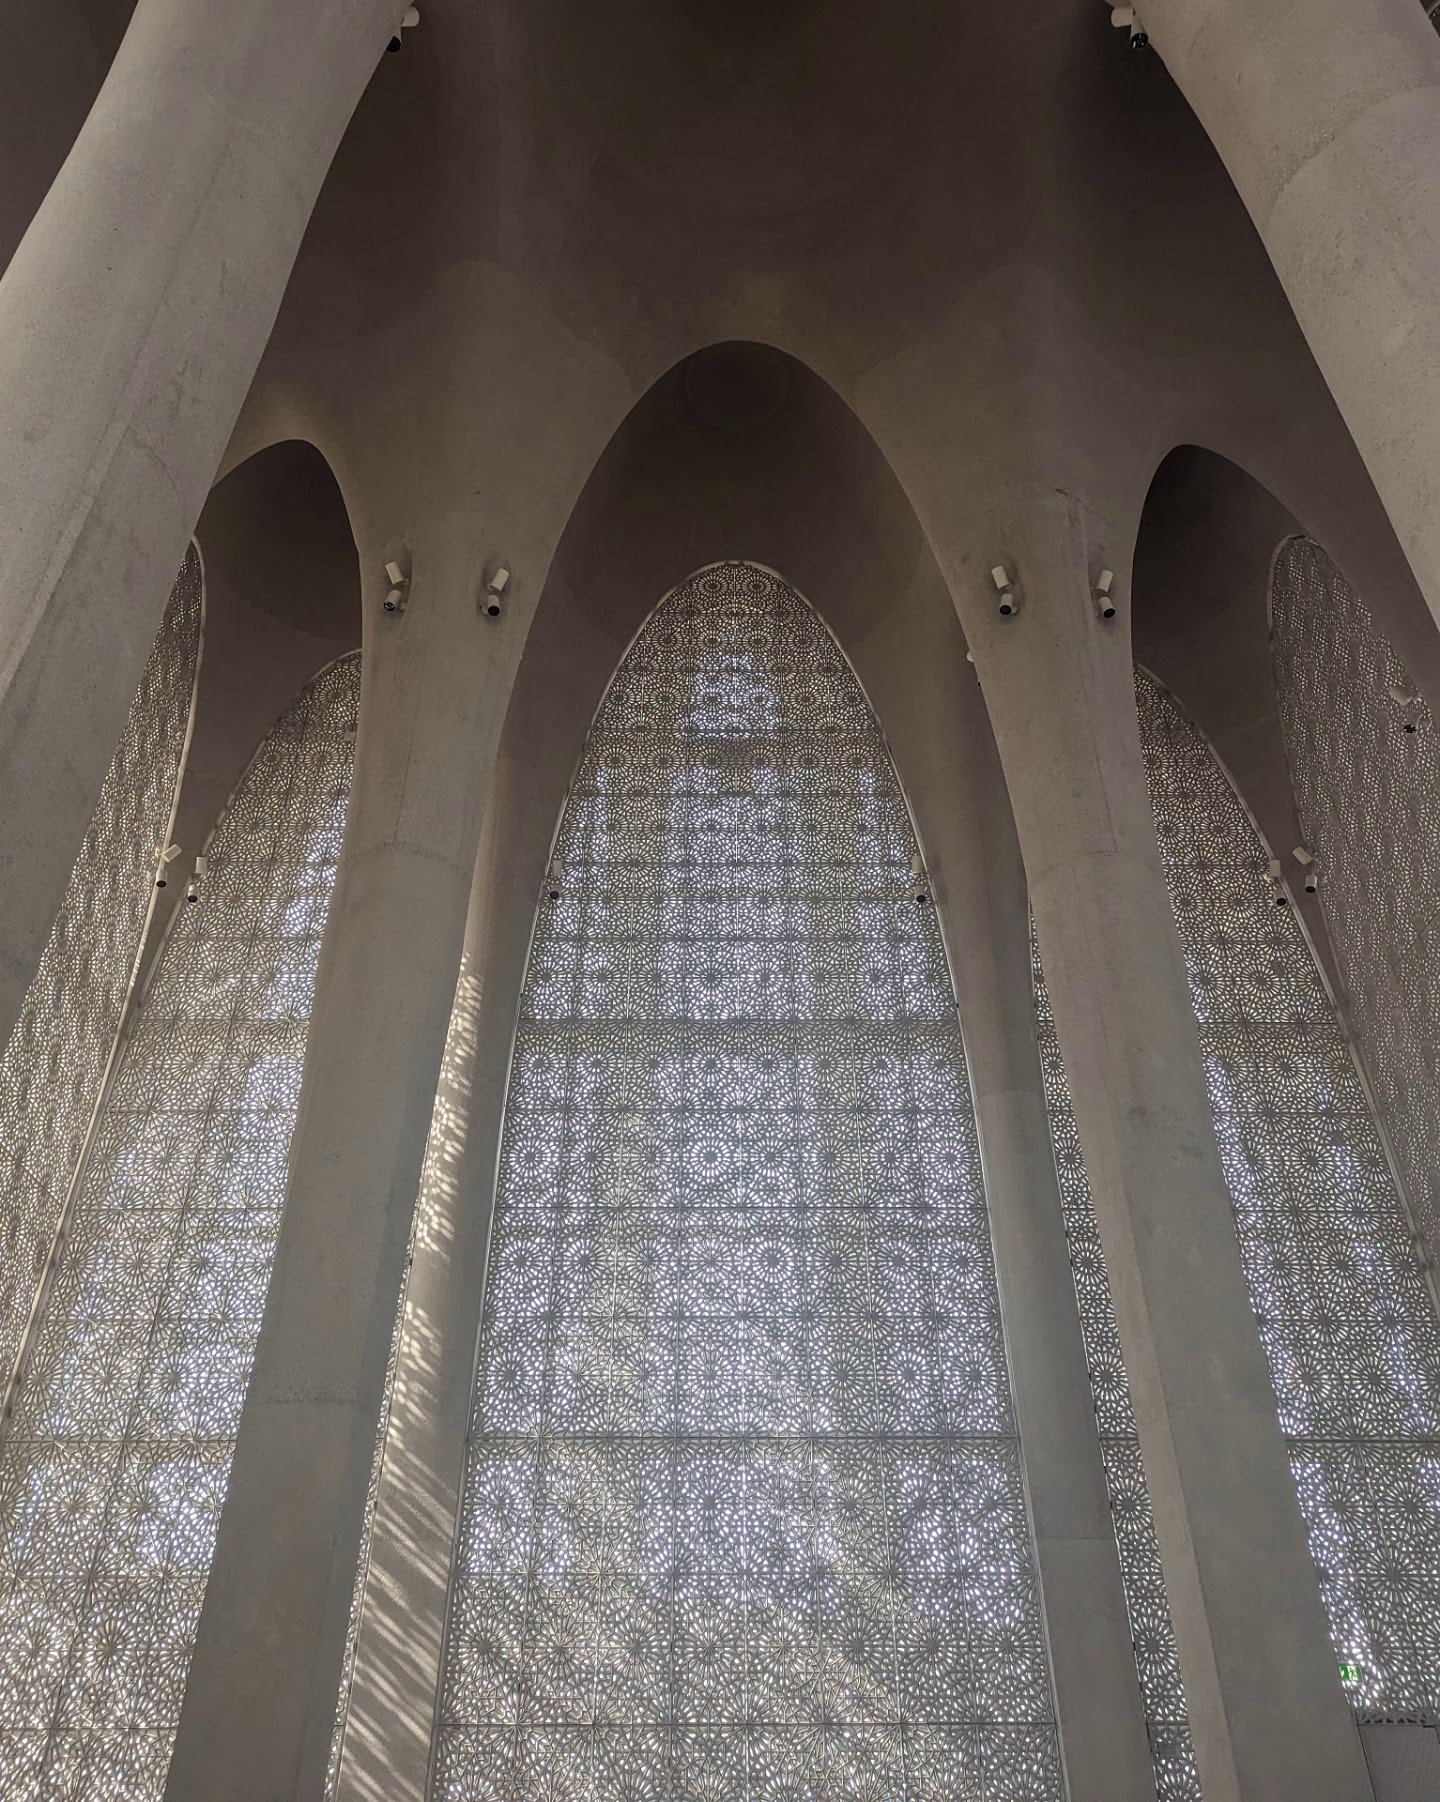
(882, 298)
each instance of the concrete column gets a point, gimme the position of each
(390, 1716)
(132, 318)
(1328, 118)
(260, 1703)
(1269, 1717)
(1097, 1691)
(914, 668)
(399, 1645)
(946, 753)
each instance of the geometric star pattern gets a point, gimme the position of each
(54, 1063)
(115, 1465)
(743, 1513)
(1346, 1315)
(1346, 1312)
(1365, 762)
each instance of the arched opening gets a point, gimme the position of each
(114, 1463)
(743, 1503)
(53, 1068)
(1365, 766)
(1347, 1318)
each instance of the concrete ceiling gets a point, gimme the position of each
(980, 228)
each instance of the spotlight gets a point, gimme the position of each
(398, 595)
(168, 854)
(495, 591)
(1308, 864)
(1409, 704)
(1009, 602)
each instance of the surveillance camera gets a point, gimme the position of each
(192, 892)
(1139, 37)
(168, 854)
(408, 22)
(555, 880)
(1009, 603)
(1103, 597)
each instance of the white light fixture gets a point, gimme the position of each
(398, 593)
(1308, 864)
(168, 854)
(409, 19)
(495, 591)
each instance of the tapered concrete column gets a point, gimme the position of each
(260, 1703)
(1268, 1714)
(390, 1716)
(400, 1639)
(1328, 118)
(981, 895)
(132, 318)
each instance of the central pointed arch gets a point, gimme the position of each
(743, 1506)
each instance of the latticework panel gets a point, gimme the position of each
(115, 1467)
(1157, 1659)
(52, 1068)
(743, 1513)
(1346, 1315)
(1365, 765)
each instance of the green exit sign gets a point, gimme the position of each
(1349, 1673)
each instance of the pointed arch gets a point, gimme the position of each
(53, 1068)
(1365, 765)
(702, 1534)
(1347, 1320)
(115, 1463)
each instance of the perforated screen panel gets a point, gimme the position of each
(743, 1514)
(1346, 1315)
(1365, 762)
(116, 1462)
(52, 1068)
(1345, 1312)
